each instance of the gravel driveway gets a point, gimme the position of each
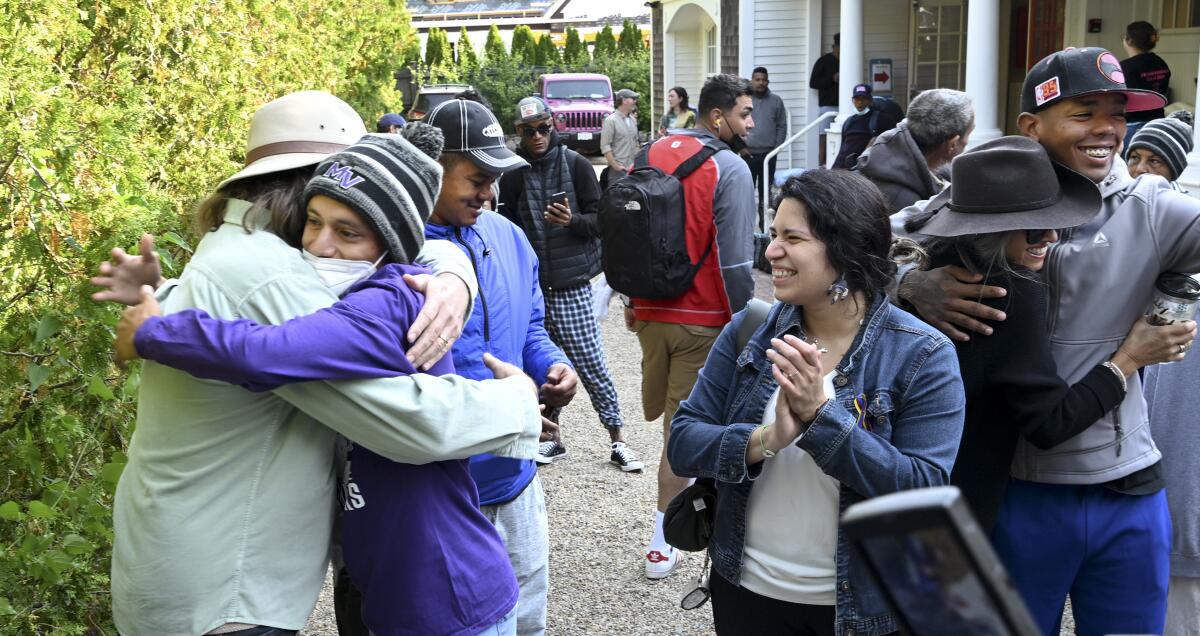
(601, 520)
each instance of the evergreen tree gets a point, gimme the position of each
(493, 49)
(412, 50)
(524, 48)
(575, 53)
(606, 45)
(468, 60)
(437, 48)
(630, 41)
(547, 52)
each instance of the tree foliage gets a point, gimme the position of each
(493, 48)
(547, 52)
(121, 116)
(523, 49)
(437, 49)
(605, 47)
(468, 59)
(575, 52)
(630, 42)
(412, 50)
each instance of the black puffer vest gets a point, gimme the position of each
(565, 259)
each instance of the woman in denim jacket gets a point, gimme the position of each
(838, 397)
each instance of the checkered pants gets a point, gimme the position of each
(573, 327)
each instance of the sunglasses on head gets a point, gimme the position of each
(1033, 237)
(529, 131)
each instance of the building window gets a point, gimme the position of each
(712, 63)
(939, 45)
(1179, 14)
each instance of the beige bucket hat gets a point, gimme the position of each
(298, 130)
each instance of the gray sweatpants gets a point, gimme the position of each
(524, 527)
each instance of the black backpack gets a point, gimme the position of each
(643, 229)
(888, 106)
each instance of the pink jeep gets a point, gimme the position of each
(580, 102)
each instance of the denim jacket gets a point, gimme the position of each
(902, 369)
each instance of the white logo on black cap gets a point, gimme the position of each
(493, 130)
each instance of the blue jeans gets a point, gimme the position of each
(1108, 550)
(506, 627)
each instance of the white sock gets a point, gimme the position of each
(658, 541)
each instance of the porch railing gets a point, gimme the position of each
(766, 174)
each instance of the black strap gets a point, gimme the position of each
(642, 159)
(693, 163)
(690, 165)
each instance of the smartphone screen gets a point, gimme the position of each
(931, 579)
(558, 197)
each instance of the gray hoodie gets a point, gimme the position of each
(1101, 277)
(897, 167)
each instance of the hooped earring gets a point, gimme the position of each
(838, 291)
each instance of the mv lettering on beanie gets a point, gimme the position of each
(389, 181)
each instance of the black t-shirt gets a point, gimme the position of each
(1146, 71)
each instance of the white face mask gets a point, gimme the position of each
(863, 111)
(339, 274)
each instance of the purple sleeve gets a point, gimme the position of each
(360, 336)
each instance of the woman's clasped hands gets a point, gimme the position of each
(798, 370)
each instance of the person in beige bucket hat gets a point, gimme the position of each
(223, 516)
(297, 130)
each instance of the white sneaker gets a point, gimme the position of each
(660, 566)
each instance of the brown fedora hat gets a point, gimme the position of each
(1008, 184)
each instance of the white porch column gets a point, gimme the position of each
(1190, 179)
(850, 72)
(983, 63)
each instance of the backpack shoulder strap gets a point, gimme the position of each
(694, 162)
(756, 315)
(642, 159)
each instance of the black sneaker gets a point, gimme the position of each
(550, 452)
(625, 458)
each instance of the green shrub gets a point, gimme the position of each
(121, 115)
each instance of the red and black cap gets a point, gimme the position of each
(1073, 72)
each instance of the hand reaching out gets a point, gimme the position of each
(122, 279)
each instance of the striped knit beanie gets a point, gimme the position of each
(391, 181)
(1168, 138)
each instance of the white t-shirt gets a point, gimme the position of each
(791, 525)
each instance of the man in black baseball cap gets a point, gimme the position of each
(507, 321)
(1074, 102)
(1087, 517)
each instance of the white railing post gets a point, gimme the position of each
(766, 199)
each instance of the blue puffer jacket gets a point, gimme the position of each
(507, 322)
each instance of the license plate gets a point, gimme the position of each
(584, 136)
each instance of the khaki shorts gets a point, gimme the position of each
(672, 356)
